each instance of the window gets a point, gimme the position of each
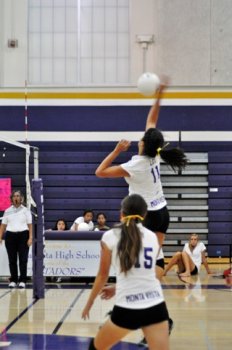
(78, 42)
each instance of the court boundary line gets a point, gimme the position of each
(10, 325)
(60, 323)
(4, 294)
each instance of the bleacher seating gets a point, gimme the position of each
(70, 186)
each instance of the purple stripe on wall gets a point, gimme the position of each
(222, 192)
(224, 227)
(220, 238)
(220, 180)
(220, 215)
(220, 204)
(114, 118)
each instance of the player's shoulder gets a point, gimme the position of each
(111, 237)
(201, 245)
(8, 209)
(79, 220)
(148, 234)
(112, 233)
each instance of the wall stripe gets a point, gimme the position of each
(116, 102)
(175, 98)
(173, 136)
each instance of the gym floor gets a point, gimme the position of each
(201, 307)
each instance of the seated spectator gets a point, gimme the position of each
(190, 259)
(101, 223)
(61, 225)
(87, 218)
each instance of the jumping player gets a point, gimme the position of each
(142, 173)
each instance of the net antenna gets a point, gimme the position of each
(29, 199)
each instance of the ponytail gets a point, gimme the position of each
(154, 145)
(175, 157)
(133, 210)
(129, 245)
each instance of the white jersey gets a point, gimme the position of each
(195, 255)
(17, 219)
(81, 220)
(145, 180)
(139, 288)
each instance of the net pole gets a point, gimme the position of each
(36, 163)
(27, 179)
(25, 113)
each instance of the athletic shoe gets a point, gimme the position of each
(3, 344)
(12, 285)
(22, 285)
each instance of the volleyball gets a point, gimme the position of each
(83, 226)
(148, 83)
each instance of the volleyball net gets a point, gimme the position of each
(15, 156)
(12, 153)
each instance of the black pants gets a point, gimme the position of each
(16, 246)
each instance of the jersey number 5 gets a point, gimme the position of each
(148, 260)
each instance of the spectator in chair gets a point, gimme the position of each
(61, 225)
(87, 218)
(101, 223)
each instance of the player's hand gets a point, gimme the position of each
(86, 310)
(85, 313)
(107, 292)
(29, 242)
(164, 82)
(122, 146)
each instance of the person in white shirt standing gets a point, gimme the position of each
(190, 259)
(17, 222)
(139, 303)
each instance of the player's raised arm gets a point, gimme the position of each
(153, 114)
(106, 169)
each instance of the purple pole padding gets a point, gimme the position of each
(38, 239)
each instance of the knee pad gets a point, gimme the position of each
(91, 345)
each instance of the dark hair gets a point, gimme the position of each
(20, 193)
(65, 224)
(153, 140)
(98, 214)
(88, 211)
(130, 242)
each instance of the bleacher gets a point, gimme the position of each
(70, 186)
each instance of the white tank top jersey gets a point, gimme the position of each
(145, 180)
(196, 253)
(139, 288)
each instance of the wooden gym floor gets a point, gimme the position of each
(201, 308)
